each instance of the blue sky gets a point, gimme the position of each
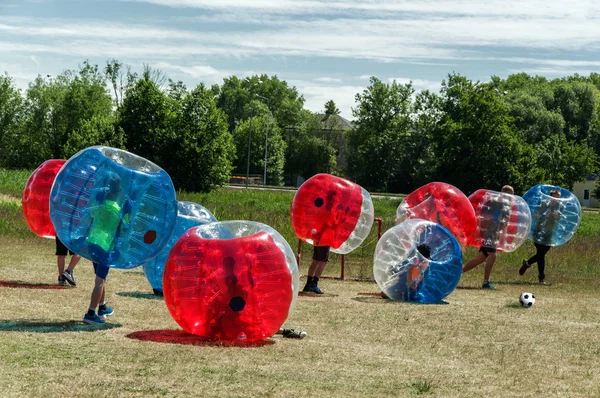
(327, 49)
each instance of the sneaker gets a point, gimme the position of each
(68, 275)
(488, 285)
(293, 334)
(543, 282)
(62, 281)
(313, 289)
(92, 319)
(107, 311)
(524, 267)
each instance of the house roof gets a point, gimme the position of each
(343, 123)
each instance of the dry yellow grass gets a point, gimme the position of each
(480, 344)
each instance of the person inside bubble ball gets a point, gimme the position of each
(410, 278)
(547, 216)
(103, 232)
(500, 211)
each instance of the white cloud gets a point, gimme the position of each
(317, 95)
(418, 84)
(328, 80)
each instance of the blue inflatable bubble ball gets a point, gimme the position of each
(555, 214)
(113, 207)
(417, 261)
(189, 215)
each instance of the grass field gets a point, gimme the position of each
(479, 344)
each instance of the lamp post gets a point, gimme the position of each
(249, 143)
(266, 136)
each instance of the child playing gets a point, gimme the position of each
(493, 230)
(106, 221)
(547, 215)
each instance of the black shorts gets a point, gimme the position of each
(487, 250)
(321, 253)
(61, 249)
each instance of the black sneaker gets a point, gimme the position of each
(293, 334)
(524, 267)
(313, 289)
(489, 286)
(68, 275)
(62, 281)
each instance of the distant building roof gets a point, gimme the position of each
(336, 120)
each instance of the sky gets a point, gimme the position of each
(327, 49)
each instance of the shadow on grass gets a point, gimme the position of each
(376, 298)
(29, 285)
(469, 287)
(305, 294)
(140, 295)
(39, 326)
(526, 283)
(182, 337)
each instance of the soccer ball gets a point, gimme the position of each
(527, 300)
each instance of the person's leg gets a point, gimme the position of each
(320, 259)
(542, 250)
(74, 260)
(60, 262)
(489, 264)
(98, 294)
(479, 259)
(68, 273)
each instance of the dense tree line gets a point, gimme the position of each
(521, 130)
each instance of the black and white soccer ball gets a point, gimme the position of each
(527, 300)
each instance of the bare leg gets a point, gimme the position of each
(313, 268)
(479, 259)
(74, 260)
(319, 268)
(97, 293)
(489, 264)
(60, 261)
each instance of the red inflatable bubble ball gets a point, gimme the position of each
(331, 211)
(36, 198)
(229, 286)
(443, 204)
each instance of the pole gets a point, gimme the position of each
(249, 143)
(266, 144)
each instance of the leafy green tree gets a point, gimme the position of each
(312, 147)
(56, 108)
(99, 130)
(202, 148)
(11, 114)
(147, 118)
(331, 108)
(377, 144)
(255, 129)
(477, 143)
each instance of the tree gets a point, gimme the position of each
(120, 79)
(476, 143)
(147, 118)
(11, 114)
(377, 144)
(202, 148)
(56, 108)
(254, 129)
(331, 108)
